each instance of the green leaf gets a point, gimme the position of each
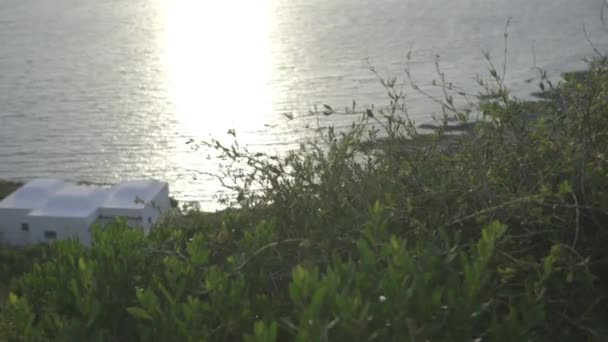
(139, 313)
(565, 188)
(82, 265)
(13, 299)
(198, 250)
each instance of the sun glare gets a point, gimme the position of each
(218, 62)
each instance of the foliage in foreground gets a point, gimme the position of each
(495, 235)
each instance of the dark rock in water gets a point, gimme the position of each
(462, 127)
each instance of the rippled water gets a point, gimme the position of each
(104, 90)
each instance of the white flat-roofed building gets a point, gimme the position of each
(141, 202)
(48, 209)
(69, 212)
(15, 208)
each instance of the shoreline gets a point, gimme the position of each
(533, 108)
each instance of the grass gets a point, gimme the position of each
(6, 188)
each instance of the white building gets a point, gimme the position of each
(49, 209)
(142, 202)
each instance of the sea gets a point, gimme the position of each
(107, 90)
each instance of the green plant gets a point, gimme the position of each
(376, 232)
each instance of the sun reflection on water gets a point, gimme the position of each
(218, 63)
(218, 66)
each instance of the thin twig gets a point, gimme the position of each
(490, 209)
(169, 252)
(505, 52)
(590, 42)
(515, 259)
(579, 325)
(268, 246)
(602, 13)
(572, 206)
(578, 219)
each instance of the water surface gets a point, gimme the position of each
(105, 90)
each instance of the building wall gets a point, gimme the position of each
(154, 211)
(49, 229)
(144, 217)
(163, 200)
(133, 219)
(11, 229)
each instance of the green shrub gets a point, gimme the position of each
(377, 232)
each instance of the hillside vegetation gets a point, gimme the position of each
(6, 188)
(378, 233)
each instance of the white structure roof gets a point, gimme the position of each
(33, 194)
(73, 201)
(133, 194)
(53, 197)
